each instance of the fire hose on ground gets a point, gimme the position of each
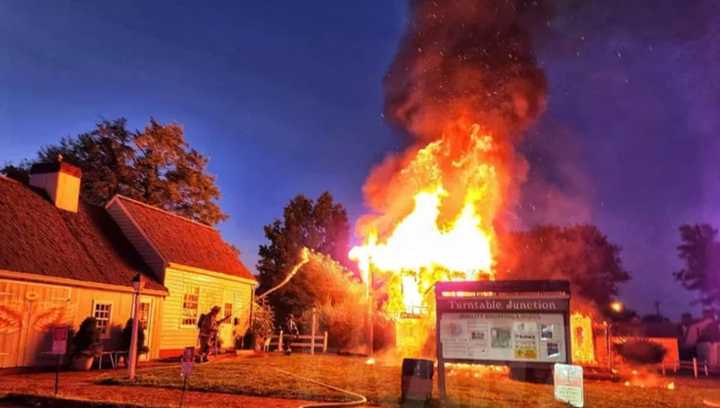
(361, 399)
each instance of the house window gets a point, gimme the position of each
(191, 302)
(228, 311)
(102, 314)
(144, 314)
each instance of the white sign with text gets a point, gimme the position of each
(568, 380)
(536, 337)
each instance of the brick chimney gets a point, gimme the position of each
(60, 180)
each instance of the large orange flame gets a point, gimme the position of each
(426, 245)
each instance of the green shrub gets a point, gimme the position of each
(263, 324)
(126, 337)
(87, 339)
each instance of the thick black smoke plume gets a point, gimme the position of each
(467, 60)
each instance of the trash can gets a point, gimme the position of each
(417, 382)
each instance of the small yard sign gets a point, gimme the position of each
(186, 363)
(60, 339)
(568, 381)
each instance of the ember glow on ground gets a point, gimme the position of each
(381, 384)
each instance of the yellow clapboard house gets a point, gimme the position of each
(63, 260)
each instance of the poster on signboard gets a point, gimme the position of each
(503, 337)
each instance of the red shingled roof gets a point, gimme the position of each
(37, 237)
(184, 241)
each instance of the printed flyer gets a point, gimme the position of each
(503, 337)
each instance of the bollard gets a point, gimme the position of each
(695, 367)
(416, 382)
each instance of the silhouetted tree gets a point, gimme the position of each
(154, 165)
(320, 225)
(700, 251)
(580, 254)
(19, 172)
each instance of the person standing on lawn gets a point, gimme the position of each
(209, 325)
(293, 332)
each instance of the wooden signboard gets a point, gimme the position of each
(522, 324)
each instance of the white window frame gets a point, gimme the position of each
(145, 316)
(183, 316)
(104, 334)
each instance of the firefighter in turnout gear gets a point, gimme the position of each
(208, 325)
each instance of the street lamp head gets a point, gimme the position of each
(137, 282)
(617, 306)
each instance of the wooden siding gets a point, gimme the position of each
(136, 238)
(214, 290)
(29, 311)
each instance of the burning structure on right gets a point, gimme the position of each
(464, 86)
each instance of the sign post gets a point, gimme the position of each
(312, 331)
(59, 348)
(186, 365)
(521, 324)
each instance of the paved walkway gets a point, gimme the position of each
(79, 385)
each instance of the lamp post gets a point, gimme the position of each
(137, 284)
(617, 307)
(370, 333)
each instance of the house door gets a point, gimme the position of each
(145, 318)
(28, 312)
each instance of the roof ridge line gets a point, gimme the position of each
(152, 207)
(4, 177)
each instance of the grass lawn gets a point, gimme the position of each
(381, 384)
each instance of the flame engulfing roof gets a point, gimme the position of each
(39, 238)
(184, 241)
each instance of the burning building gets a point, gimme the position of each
(463, 87)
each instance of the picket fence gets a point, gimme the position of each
(277, 342)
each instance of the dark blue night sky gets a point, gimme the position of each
(286, 98)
